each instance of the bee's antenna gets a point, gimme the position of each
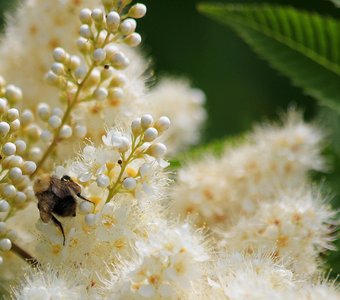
(82, 197)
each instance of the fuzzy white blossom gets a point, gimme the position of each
(220, 190)
(184, 106)
(297, 224)
(170, 263)
(50, 284)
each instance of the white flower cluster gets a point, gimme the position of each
(15, 189)
(106, 139)
(258, 277)
(170, 263)
(219, 190)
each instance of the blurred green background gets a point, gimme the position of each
(241, 89)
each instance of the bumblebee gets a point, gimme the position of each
(57, 196)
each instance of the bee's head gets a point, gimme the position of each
(42, 184)
(66, 178)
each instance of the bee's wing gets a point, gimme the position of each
(46, 203)
(60, 188)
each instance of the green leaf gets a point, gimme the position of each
(336, 2)
(301, 45)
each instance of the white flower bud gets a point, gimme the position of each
(128, 26)
(28, 167)
(97, 15)
(13, 93)
(93, 79)
(80, 73)
(111, 50)
(80, 131)
(137, 11)
(15, 125)
(91, 220)
(136, 127)
(119, 61)
(20, 197)
(15, 174)
(85, 207)
(9, 191)
(118, 80)
(35, 154)
(9, 149)
(100, 94)
(3, 105)
(13, 161)
(99, 55)
(12, 235)
(58, 68)
(130, 183)
(21, 146)
(106, 72)
(85, 16)
(5, 244)
(150, 134)
(133, 39)
(146, 121)
(85, 31)
(26, 117)
(66, 132)
(3, 228)
(4, 206)
(157, 150)
(124, 144)
(59, 54)
(33, 131)
(44, 111)
(52, 78)
(4, 128)
(74, 62)
(57, 112)
(54, 122)
(113, 20)
(103, 181)
(116, 94)
(83, 44)
(46, 135)
(30, 193)
(12, 114)
(1, 260)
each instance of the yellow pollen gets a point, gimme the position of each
(282, 241)
(153, 279)
(169, 246)
(119, 244)
(108, 221)
(95, 199)
(56, 249)
(179, 267)
(110, 165)
(131, 172)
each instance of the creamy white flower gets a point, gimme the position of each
(92, 162)
(170, 260)
(50, 284)
(296, 225)
(183, 105)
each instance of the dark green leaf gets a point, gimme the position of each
(301, 45)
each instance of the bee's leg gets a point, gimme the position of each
(82, 197)
(58, 224)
